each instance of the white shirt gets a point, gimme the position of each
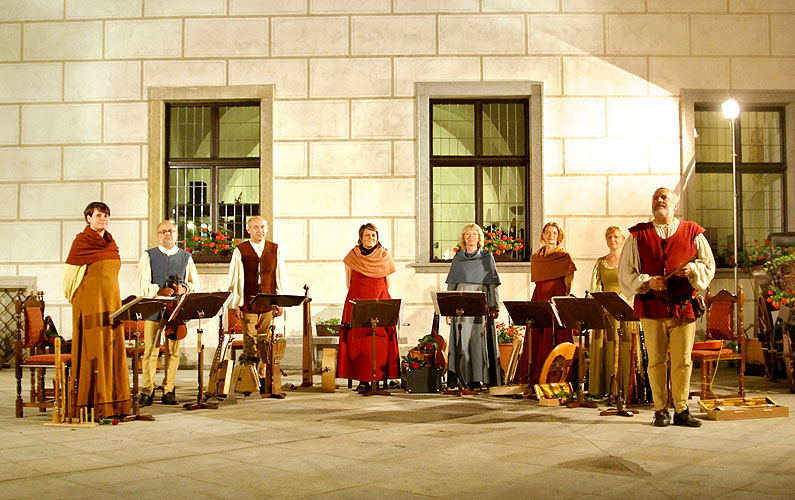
(236, 274)
(144, 279)
(633, 282)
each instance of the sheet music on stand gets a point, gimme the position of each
(157, 304)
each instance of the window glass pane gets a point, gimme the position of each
(504, 200)
(239, 132)
(189, 198)
(503, 129)
(453, 129)
(714, 212)
(189, 132)
(762, 205)
(238, 198)
(760, 136)
(714, 141)
(453, 207)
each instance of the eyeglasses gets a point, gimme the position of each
(166, 231)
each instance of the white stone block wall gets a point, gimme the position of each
(73, 114)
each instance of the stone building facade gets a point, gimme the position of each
(75, 123)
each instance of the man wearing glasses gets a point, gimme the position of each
(165, 270)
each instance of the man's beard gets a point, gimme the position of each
(661, 211)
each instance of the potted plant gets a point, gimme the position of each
(207, 246)
(328, 327)
(501, 243)
(506, 335)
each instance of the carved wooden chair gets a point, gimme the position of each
(722, 310)
(33, 352)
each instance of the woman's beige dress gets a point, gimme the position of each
(602, 350)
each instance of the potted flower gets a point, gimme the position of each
(425, 350)
(328, 327)
(506, 335)
(409, 362)
(502, 244)
(208, 246)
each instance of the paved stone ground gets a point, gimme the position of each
(344, 446)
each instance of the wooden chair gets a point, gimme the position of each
(721, 310)
(32, 352)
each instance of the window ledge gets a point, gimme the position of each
(212, 267)
(443, 267)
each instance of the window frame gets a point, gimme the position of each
(263, 95)
(526, 90)
(477, 161)
(749, 167)
(691, 99)
(212, 162)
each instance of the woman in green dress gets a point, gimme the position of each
(602, 350)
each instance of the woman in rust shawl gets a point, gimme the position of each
(552, 271)
(367, 269)
(91, 283)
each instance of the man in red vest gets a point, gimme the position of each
(256, 267)
(663, 263)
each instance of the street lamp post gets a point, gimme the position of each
(731, 110)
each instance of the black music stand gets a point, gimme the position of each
(260, 304)
(533, 314)
(373, 313)
(621, 311)
(459, 304)
(199, 305)
(581, 315)
(139, 309)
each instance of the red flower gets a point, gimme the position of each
(212, 244)
(415, 365)
(215, 250)
(510, 238)
(491, 235)
(769, 299)
(237, 241)
(188, 249)
(520, 240)
(766, 241)
(502, 246)
(221, 237)
(497, 252)
(428, 345)
(770, 292)
(196, 238)
(519, 246)
(504, 237)
(204, 244)
(784, 300)
(225, 247)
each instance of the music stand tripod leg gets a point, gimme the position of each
(136, 415)
(459, 364)
(374, 390)
(581, 402)
(619, 410)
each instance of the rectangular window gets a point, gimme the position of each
(761, 167)
(212, 166)
(479, 170)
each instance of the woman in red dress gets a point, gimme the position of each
(367, 269)
(552, 271)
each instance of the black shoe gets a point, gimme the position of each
(145, 400)
(661, 418)
(686, 419)
(263, 389)
(169, 398)
(363, 386)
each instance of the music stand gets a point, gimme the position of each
(621, 311)
(137, 310)
(460, 304)
(260, 304)
(579, 314)
(533, 314)
(373, 313)
(199, 305)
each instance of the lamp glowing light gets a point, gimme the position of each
(731, 109)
